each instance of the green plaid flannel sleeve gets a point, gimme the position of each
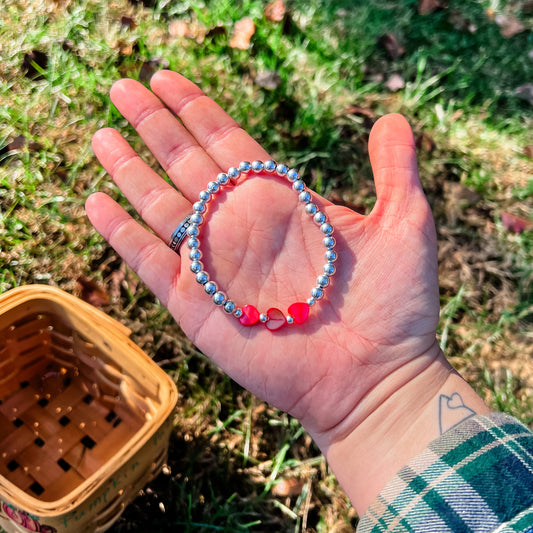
(477, 477)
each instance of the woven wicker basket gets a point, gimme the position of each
(85, 415)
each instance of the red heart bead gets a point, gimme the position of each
(250, 315)
(299, 311)
(276, 319)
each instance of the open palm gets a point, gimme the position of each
(381, 309)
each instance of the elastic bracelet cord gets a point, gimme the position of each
(248, 315)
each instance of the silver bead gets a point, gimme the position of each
(331, 255)
(281, 170)
(198, 207)
(298, 186)
(193, 242)
(222, 178)
(213, 186)
(293, 175)
(210, 287)
(317, 293)
(263, 318)
(311, 302)
(320, 218)
(322, 281)
(196, 266)
(205, 196)
(289, 319)
(305, 197)
(229, 307)
(326, 228)
(195, 254)
(193, 230)
(245, 166)
(329, 242)
(329, 269)
(196, 218)
(237, 313)
(219, 298)
(233, 173)
(257, 166)
(311, 208)
(202, 277)
(269, 166)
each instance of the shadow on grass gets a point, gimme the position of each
(204, 492)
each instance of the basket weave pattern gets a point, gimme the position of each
(60, 419)
(84, 414)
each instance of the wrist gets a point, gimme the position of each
(396, 421)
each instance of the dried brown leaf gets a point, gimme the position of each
(92, 293)
(124, 48)
(127, 22)
(425, 142)
(425, 7)
(515, 223)
(190, 30)
(528, 151)
(509, 25)
(17, 143)
(288, 487)
(275, 11)
(178, 28)
(390, 42)
(35, 146)
(395, 83)
(242, 33)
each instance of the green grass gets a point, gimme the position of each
(230, 454)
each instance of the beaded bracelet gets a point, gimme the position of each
(248, 315)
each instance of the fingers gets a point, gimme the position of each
(153, 261)
(158, 203)
(191, 152)
(213, 128)
(185, 162)
(393, 158)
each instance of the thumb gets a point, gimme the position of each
(393, 158)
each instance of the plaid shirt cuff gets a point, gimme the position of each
(476, 477)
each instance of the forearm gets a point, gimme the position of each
(414, 407)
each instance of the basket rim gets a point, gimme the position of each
(112, 328)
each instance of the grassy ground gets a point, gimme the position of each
(309, 87)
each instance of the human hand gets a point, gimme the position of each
(376, 328)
